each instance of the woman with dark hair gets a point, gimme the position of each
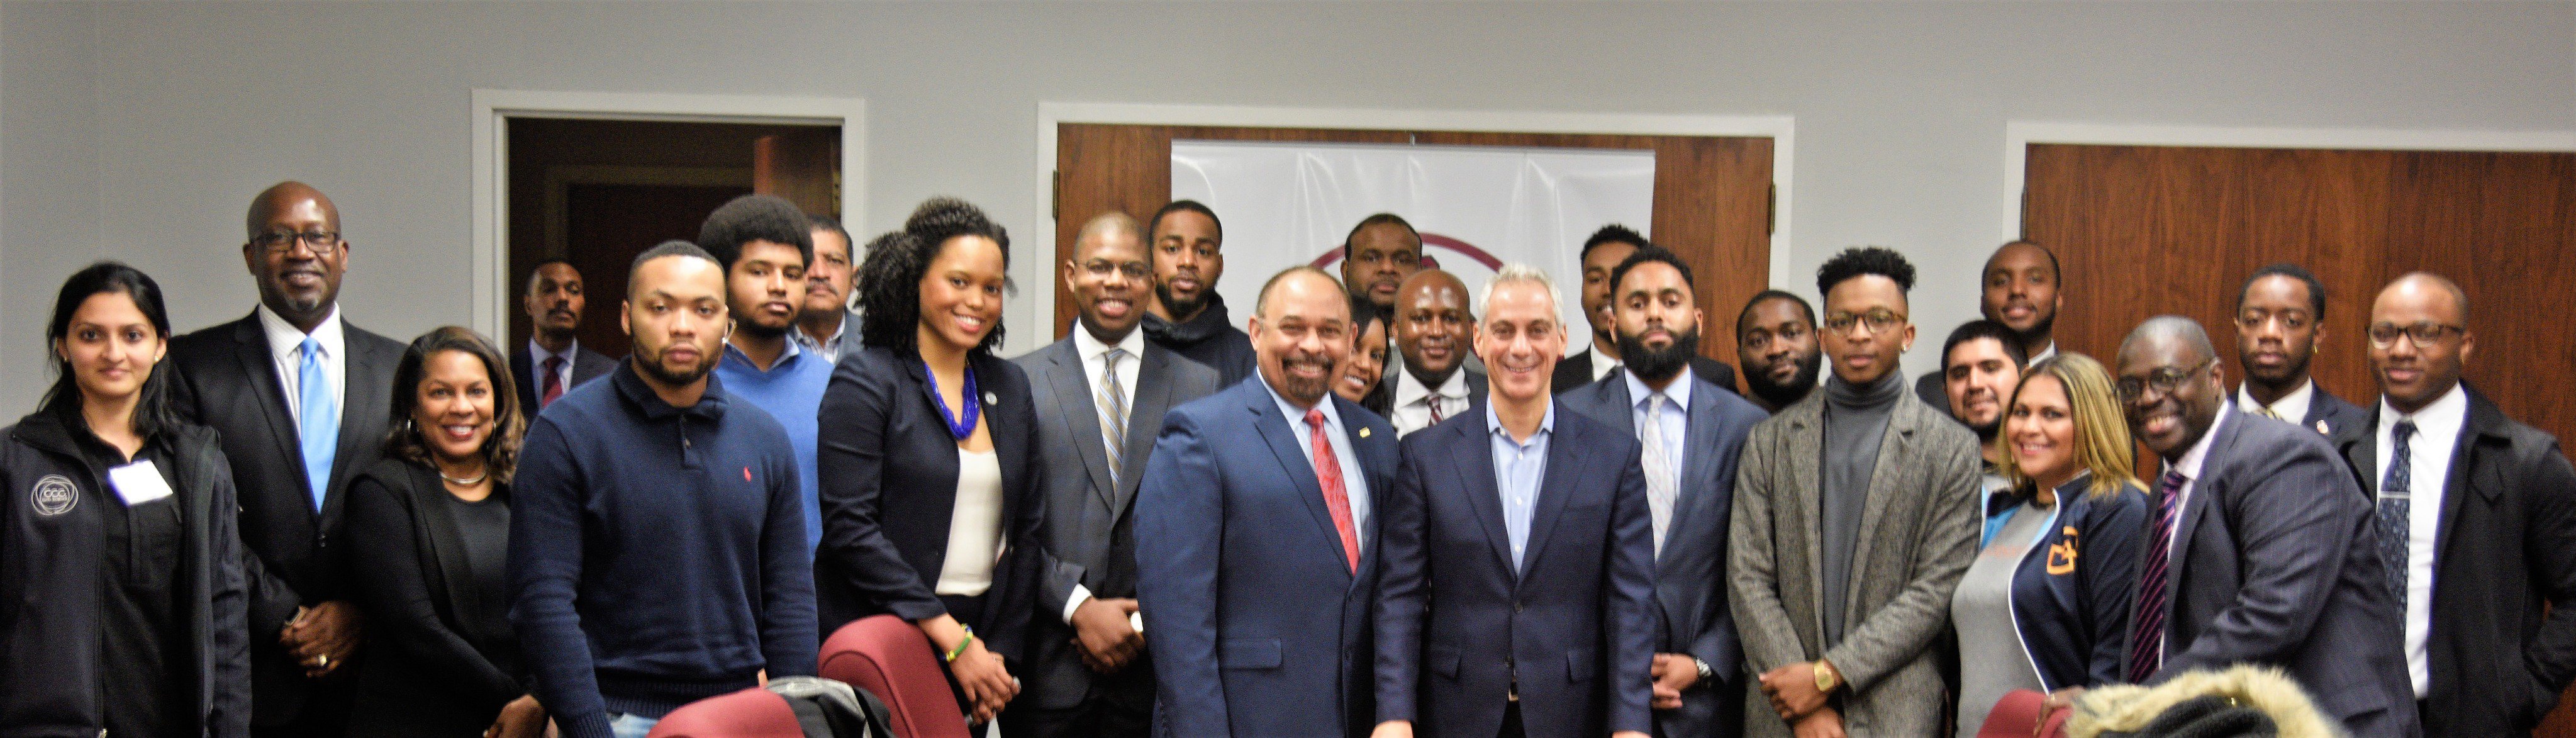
(929, 457)
(1361, 377)
(123, 598)
(429, 524)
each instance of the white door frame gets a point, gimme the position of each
(1039, 312)
(2019, 135)
(491, 280)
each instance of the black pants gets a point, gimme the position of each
(1512, 721)
(1120, 705)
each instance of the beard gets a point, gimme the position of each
(1784, 395)
(1656, 365)
(1986, 433)
(669, 376)
(1180, 309)
(1303, 389)
(2042, 329)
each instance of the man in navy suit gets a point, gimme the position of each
(1527, 531)
(2280, 319)
(1660, 394)
(1255, 546)
(2261, 549)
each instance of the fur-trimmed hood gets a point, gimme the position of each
(2129, 708)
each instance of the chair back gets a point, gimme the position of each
(751, 713)
(893, 660)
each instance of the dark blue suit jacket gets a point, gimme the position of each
(1255, 621)
(1573, 628)
(2337, 415)
(1690, 573)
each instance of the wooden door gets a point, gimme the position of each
(803, 166)
(609, 225)
(1712, 197)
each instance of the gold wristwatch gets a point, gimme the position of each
(1826, 677)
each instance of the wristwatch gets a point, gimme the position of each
(1826, 677)
(1704, 671)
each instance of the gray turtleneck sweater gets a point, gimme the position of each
(1855, 421)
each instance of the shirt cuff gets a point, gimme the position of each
(1074, 601)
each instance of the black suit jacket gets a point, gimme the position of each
(2338, 416)
(1576, 371)
(228, 382)
(1083, 507)
(432, 668)
(586, 365)
(2275, 562)
(889, 486)
(2502, 642)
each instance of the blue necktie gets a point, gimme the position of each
(317, 420)
(2396, 500)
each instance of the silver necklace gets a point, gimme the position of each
(466, 482)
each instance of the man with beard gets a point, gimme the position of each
(1378, 255)
(301, 399)
(1980, 366)
(1693, 437)
(2280, 318)
(643, 576)
(1102, 393)
(2019, 289)
(1603, 252)
(1187, 315)
(1433, 329)
(2260, 545)
(827, 322)
(555, 360)
(1842, 575)
(1255, 547)
(1775, 339)
(764, 243)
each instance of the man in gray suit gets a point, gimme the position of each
(1102, 392)
(2262, 546)
(1855, 516)
(1696, 434)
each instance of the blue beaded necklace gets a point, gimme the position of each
(957, 426)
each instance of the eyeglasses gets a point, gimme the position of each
(2252, 319)
(1879, 320)
(2163, 381)
(2427, 333)
(321, 242)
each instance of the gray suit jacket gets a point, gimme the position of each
(1082, 507)
(1918, 534)
(1690, 581)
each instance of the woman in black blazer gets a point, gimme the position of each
(928, 457)
(429, 525)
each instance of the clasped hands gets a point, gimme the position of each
(321, 637)
(1794, 694)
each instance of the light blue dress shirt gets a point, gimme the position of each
(1676, 417)
(1518, 468)
(1354, 482)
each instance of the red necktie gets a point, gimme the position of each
(553, 383)
(1328, 474)
(1434, 402)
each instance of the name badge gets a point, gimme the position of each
(138, 483)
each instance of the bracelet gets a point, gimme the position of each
(961, 645)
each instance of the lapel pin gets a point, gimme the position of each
(2321, 428)
(1364, 431)
(992, 399)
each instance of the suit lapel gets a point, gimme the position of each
(1806, 440)
(250, 350)
(1080, 416)
(1474, 455)
(1894, 449)
(365, 392)
(1151, 397)
(2483, 418)
(2204, 488)
(1697, 484)
(1276, 433)
(446, 548)
(1556, 484)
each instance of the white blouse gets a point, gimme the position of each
(974, 527)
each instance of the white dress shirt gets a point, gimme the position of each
(1413, 401)
(2043, 353)
(2293, 407)
(1601, 363)
(286, 350)
(1676, 417)
(1095, 355)
(2189, 465)
(1354, 482)
(2437, 435)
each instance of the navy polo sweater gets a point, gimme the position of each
(657, 554)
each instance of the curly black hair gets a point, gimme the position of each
(1609, 234)
(2316, 289)
(755, 218)
(1178, 206)
(889, 280)
(1647, 252)
(1860, 260)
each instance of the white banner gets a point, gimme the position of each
(1478, 207)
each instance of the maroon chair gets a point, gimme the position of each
(751, 713)
(893, 660)
(2017, 714)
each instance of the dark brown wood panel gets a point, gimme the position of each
(610, 224)
(1712, 195)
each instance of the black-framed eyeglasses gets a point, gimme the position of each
(2427, 333)
(1880, 320)
(2163, 381)
(321, 242)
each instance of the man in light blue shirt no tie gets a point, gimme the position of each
(764, 244)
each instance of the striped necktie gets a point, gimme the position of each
(2147, 640)
(1112, 400)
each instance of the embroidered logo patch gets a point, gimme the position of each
(53, 495)
(2061, 555)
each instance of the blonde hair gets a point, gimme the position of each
(2102, 443)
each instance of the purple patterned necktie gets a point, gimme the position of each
(2146, 642)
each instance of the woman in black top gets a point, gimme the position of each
(123, 598)
(1362, 377)
(928, 457)
(429, 525)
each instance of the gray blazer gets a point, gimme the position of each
(1690, 581)
(1082, 507)
(1918, 534)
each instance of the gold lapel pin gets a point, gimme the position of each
(1364, 431)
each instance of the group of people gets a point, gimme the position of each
(1359, 511)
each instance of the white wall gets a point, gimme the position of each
(140, 130)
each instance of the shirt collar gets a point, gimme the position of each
(1297, 415)
(1090, 347)
(2044, 353)
(785, 357)
(2297, 400)
(1679, 392)
(2441, 419)
(1494, 425)
(2189, 464)
(539, 352)
(284, 338)
(1600, 362)
(1409, 390)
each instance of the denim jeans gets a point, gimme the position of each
(624, 725)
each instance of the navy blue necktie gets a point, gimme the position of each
(2396, 500)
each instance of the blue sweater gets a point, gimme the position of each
(792, 393)
(657, 554)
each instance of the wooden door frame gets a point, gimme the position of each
(491, 109)
(1035, 314)
(2020, 134)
